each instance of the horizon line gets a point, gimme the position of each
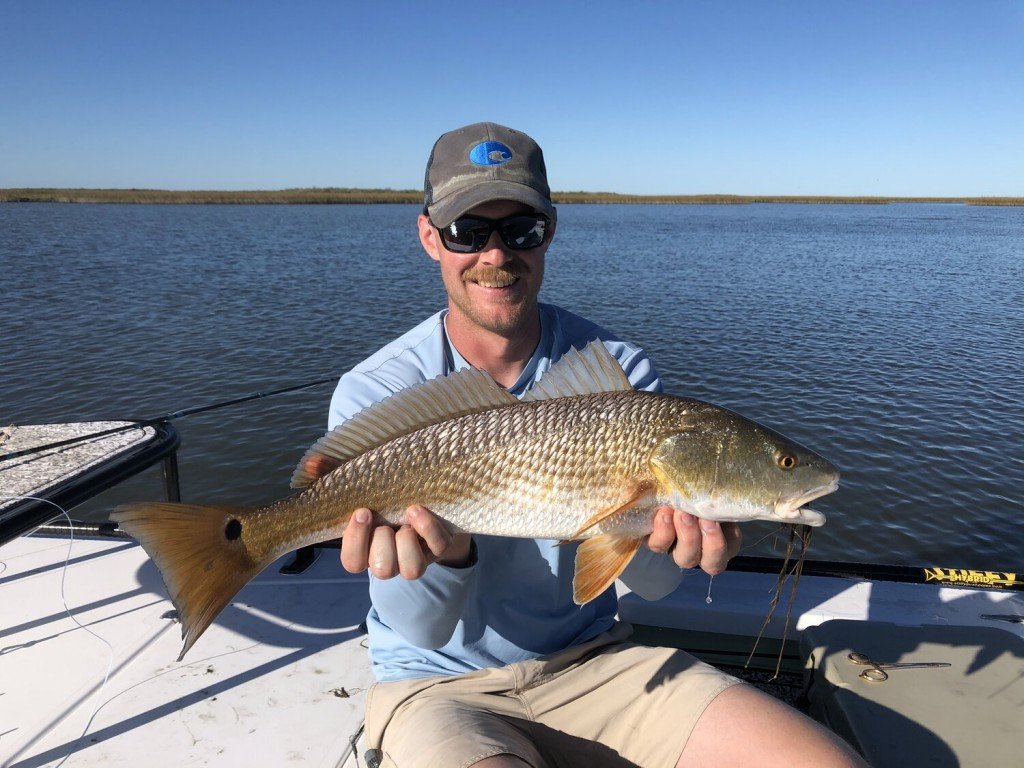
(328, 195)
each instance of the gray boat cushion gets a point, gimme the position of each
(968, 714)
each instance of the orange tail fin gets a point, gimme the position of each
(201, 555)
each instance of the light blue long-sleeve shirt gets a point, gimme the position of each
(514, 600)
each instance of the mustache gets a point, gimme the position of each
(487, 273)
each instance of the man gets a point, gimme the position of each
(483, 658)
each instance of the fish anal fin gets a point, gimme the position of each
(638, 494)
(599, 561)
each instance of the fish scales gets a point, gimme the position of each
(539, 469)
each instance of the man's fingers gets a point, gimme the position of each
(663, 534)
(387, 553)
(355, 543)
(441, 546)
(429, 528)
(412, 559)
(383, 555)
(688, 540)
(714, 552)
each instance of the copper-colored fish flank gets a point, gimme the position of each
(582, 456)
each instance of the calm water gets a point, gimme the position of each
(888, 338)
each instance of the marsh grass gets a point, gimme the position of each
(341, 195)
(313, 195)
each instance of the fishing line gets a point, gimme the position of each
(752, 545)
(773, 532)
(138, 423)
(63, 599)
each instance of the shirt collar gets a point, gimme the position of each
(454, 361)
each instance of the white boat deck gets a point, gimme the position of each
(282, 674)
(280, 678)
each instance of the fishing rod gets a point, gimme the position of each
(139, 423)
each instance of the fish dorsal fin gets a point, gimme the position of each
(584, 372)
(447, 397)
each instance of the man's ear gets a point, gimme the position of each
(429, 238)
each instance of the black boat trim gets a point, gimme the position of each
(22, 516)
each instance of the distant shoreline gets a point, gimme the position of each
(338, 195)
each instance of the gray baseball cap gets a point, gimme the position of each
(480, 163)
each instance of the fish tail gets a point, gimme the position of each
(201, 553)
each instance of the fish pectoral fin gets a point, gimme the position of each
(201, 555)
(599, 561)
(639, 493)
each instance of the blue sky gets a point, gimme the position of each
(844, 98)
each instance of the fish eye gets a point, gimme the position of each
(786, 461)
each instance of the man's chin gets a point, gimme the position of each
(505, 319)
(504, 325)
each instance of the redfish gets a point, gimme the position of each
(582, 456)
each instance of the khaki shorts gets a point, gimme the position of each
(603, 703)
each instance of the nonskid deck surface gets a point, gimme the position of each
(33, 473)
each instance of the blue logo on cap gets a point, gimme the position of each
(490, 153)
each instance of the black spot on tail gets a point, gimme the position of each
(233, 530)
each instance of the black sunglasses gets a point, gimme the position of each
(469, 234)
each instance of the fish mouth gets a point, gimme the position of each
(814, 493)
(793, 510)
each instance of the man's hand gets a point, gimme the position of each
(706, 543)
(374, 544)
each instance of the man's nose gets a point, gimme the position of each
(495, 252)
